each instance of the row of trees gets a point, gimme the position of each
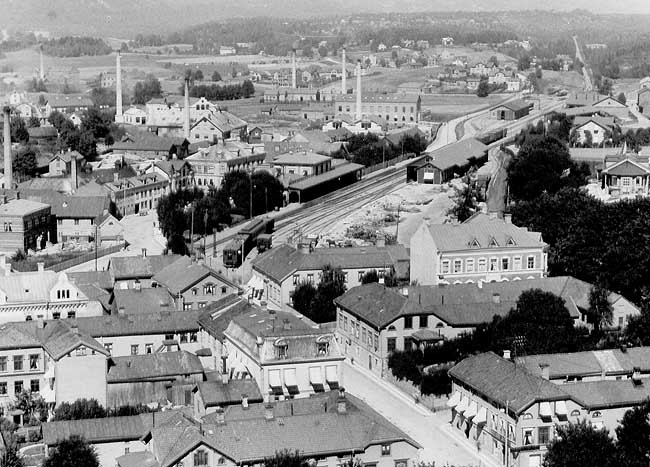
(317, 302)
(222, 93)
(367, 149)
(214, 209)
(71, 46)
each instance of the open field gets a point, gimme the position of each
(569, 80)
(444, 107)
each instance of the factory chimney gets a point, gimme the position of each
(42, 70)
(119, 118)
(293, 68)
(186, 120)
(7, 146)
(358, 108)
(344, 73)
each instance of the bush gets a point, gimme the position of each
(436, 383)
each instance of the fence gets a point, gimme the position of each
(432, 403)
(85, 257)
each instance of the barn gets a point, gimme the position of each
(512, 110)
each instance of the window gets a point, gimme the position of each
(363, 335)
(281, 351)
(543, 435)
(345, 323)
(109, 347)
(517, 263)
(56, 315)
(469, 265)
(3, 388)
(34, 385)
(445, 267)
(18, 363)
(201, 457)
(494, 264)
(193, 337)
(183, 338)
(187, 306)
(3, 364)
(596, 415)
(376, 342)
(148, 348)
(458, 266)
(385, 449)
(169, 337)
(505, 264)
(135, 349)
(424, 321)
(76, 222)
(482, 264)
(33, 361)
(408, 322)
(194, 291)
(224, 290)
(18, 387)
(323, 348)
(530, 262)
(575, 413)
(208, 289)
(72, 314)
(528, 436)
(390, 344)
(81, 350)
(310, 278)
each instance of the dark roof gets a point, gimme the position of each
(280, 262)
(336, 172)
(72, 207)
(42, 132)
(101, 279)
(145, 300)
(215, 393)
(458, 154)
(145, 141)
(138, 324)
(152, 367)
(374, 303)
(504, 382)
(584, 98)
(516, 105)
(607, 394)
(184, 273)
(215, 317)
(139, 267)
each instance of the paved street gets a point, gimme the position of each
(432, 431)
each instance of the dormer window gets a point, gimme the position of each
(493, 243)
(510, 242)
(474, 243)
(281, 349)
(208, 289)
(323, 348)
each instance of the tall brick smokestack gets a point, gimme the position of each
(7, 146)
(186, 120)
(359, 113)
(344, 76)
(42, 70)
(119, 118)
(293, 68)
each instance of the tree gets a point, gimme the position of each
(216, 76)
(538, 72)
(72, 452)
(413, 144)
(198, 75)
(331, 286)
(483, 89)
(601, 312)
(96, 122)
(633, 436)
(57, 119)
(24, 162)
(303, 297)
(589, 139)
(87, 145)
(621, 98)
(79, 409)
(284, 458)
(322, 51)
(19, 132)
(524, 62)
(9, 456)
(543, 164)
(247, 89)
(370, 277)
(33, 406)
(465, 201)
(576, 442)
(146, 90)
(33, 122)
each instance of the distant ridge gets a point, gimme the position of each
(126, 18)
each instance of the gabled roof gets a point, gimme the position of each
(374, 303)
(69, 100)
(172, 166)
(144, 300)
(215, 317)
(184, 273)
(484, 229)
(139, 267)
(139, 324)
(516, 105)
(73, 207)
(605, 123)
(145, 141)
(626, 167)
(42, 132)
(30, 286)
(21, 207)
(152, 367)
(504, 382)
(458, 154)
(584, 98)
(280, 262)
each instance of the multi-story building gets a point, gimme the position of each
(288, 355)
(140, 193)
(301, 164)
(279, 271)
(511, 413)
(77, 218)
(373, 320)
(212, 164)
(483, 248)
(52, 359)
(67, 103)
(193, 286)
(25, 225)
(129, 272)
(392, 108)
(218, 126)
(354, 430)
(41, 294)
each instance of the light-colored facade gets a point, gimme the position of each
(138, 194)
(391, 108)
(135, 116)
(301, 164)
(595, 129)
(212, 164)
(25, 225)
(483, 248)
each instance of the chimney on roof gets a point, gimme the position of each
(40, 323)
(244, 401)
(264, 306)
(74, 329)
(545, 369)
(116, 177)
(40, 266)
(304, 248)
(507, 218)
(381, 240)
(506, 354)
(220, 415)
(225, 377)
(636, 376)
(7, 147)
(343, 72)
(341, 402)
(268, 411)
(493, 214)
(496, 298)
(480, 284)
(144, 252)
(286, 324)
